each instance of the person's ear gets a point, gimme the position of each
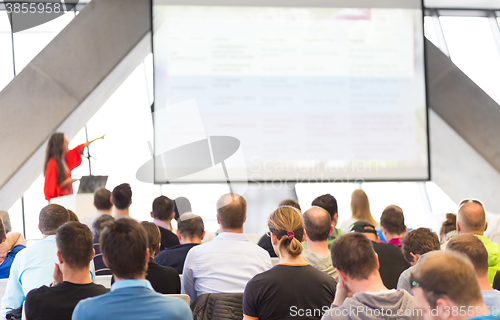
(406, 229)
(60, 258)
(147, 259)
(151, 213)
(341, 275)
(376, 259)
(203, 235)
(384, 231)
(172, 216)
(331, 229)
(304, 235)
(158, 249)
(274, 239)
(458, 227)
(130, 203)
(93, 254)
(443, 307)
(486, 226)
(218, 221)
(178, 234)
(245, 219)
(111, 200)
(415, 257)
(335, 219)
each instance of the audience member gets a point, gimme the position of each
(99, 224)
(265, 240)
(72, 216)
(216, 266)
(318, 226)
(265, 297)
(6, 221)
(163, 213)
(33, 267)
(181, 206)
(121, 198)
(360, 207)
(329, 203)
(416, 244)
(357, 264)
(445, 287)
(72, 281)
(11, 244)
(472, 219)
(102, 201)
(391, 260)
(474, 249)
(393, 225)
(448, 229)
(190, 230)
(124, 246)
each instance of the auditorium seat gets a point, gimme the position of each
(104, 280)
(184, 297)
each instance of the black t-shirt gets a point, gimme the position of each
(168, 239)
(58, 302)
(174, 257)
(392, 263)
(289, 292)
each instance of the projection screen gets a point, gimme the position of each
(305, 91)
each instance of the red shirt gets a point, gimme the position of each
(51, 188)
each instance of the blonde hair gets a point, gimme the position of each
(360, 207)
(280, 223)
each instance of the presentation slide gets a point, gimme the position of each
(303, 91)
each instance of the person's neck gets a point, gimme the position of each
(294, 261)
(184, 240)
(102, 212)
(120, 212)
(141, 277)
(390, 236)
(319, 247)
(168, 222)
(81, 276)
(484, 283)
(237, 230)
(372, 284)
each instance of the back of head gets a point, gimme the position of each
(353, 254)
(124, 245)
(163, 208)
(365, 228)
(449, 225)
(393, 220)
(360, 206)
(102, 199)
(52, 217)
(472, 218)
(470, 245)
(290, 203)
(74, 242)
(231, 211)
(100, 223)
(72, 216)
(154, 236)
(419, 241)
(286, 224)
(317, 223)
(55, 150)
(447, 274)
(327, 202)
(190, 226)
(121, 196)
(182, 205)
(6, 221)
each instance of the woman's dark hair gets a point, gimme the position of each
(450, 224)
(55, 149)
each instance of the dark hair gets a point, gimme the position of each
(100, 223)
(231, 210)
(317, 223)
(121, 196)
(124, 244)
(55, 149)
(181, 206)
(327, 202)
(102, 199)
(2, 230)
(290, 203)
(72, 216)
(450, 224)
(282, 221)
(191, 226)
(74, 242)
(419, 241)
(163, 208)
(52, 217)
(6, 221)
(473, 248)
(353, 254)
(154, 236)
(393, 220)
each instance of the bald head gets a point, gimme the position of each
(471, 219)
(231, 211)
(317, 223)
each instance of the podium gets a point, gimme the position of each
(82, 204)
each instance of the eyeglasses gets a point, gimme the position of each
(464, 201)
(414, 283)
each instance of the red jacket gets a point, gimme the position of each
(51, 188)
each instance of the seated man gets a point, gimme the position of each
(11, 243)
(190, 230)
(121, 198)
(230, 260)
(357, 264)
(416, 244)
(474, 249)
(72, 281)
(445, 287)
(124, 245)
(471, 218)
(391, 259)
(393, 225)
(317, 224)
(33, 267)
(163, 213)
(97, 226)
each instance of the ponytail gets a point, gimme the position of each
(286, 224)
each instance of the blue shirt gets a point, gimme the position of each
(491, 299)
(223, 265)
(7, 263)
(132, 299)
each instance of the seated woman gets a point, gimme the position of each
(292, 289)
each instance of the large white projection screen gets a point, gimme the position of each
(299, 91)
